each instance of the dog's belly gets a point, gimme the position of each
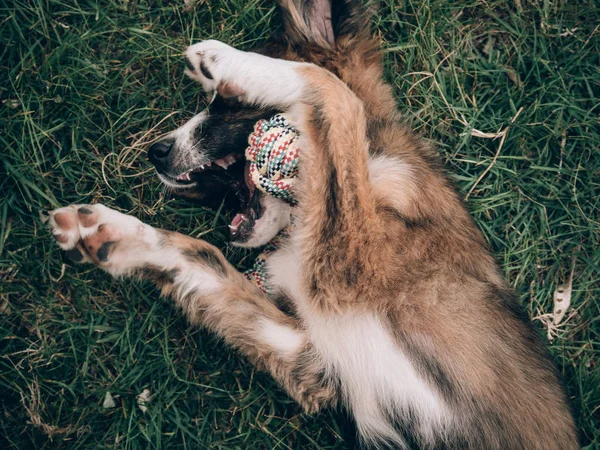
(378, 382)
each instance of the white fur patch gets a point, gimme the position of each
(284, 339)
(284, 269)
(196, 280)
(377, 379)
(390, 174)
(184, 135)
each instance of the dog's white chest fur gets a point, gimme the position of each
(379, 383)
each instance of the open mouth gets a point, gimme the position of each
(229, 176)
(228, 169)
(224, 163)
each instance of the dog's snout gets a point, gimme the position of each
(158, 153)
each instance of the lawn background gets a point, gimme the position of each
(86, 85)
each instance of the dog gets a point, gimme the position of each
(385, 299)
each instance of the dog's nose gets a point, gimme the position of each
(158, 153)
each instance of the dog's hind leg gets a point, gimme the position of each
(208, 289)
(343, 232)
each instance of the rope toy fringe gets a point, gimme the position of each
(258, 274)
(273, 154)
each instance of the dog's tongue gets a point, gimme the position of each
(235, 224)
(239, 218)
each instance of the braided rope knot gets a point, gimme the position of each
(273, 155)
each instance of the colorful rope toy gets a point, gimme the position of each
(273, 155)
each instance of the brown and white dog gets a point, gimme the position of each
(398, 311)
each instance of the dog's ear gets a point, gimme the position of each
(322, 22)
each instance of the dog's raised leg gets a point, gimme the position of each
(345, 239)
(208, 289)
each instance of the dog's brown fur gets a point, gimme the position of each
(409, 253)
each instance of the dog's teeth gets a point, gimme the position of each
(226, 161)
(184, 177)
(201, 167)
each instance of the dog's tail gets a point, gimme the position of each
(323, 22)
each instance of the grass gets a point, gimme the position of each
(86, 85)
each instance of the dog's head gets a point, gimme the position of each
(204, 159)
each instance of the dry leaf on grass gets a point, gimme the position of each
(109, 401)
(143, 399)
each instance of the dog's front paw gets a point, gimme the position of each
(208, 62)
(251, 77)
(100, 235)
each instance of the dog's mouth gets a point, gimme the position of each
(185, 179)
(214, 179)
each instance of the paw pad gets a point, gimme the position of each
(65, 220)
(87, 217)
(74, 254)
